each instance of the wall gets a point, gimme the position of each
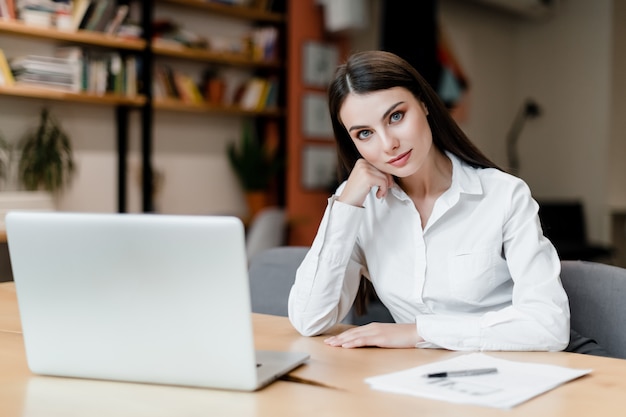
(617, 154)
(564, 63)
(567, 149)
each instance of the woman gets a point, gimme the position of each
(451, 244)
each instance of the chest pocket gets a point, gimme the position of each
(472, 275)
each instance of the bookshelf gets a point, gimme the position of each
(219, 58)
(84, 37)
(122, 103)
(151, 51)
(269, 117)
(254, 12)
(60, 95)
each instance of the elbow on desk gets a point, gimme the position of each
(307, 327)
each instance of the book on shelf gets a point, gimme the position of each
(103, 13)
(258, 94)
(74, 58)
(45, 71)
(41, 63)
(169, 83)
(131, 69)
(5, 71)
(264, 43)
(120, 15)
(79, 70)
(41, 12)
(111, 73)
(271, 98)
(79, 10)
(187, 88)
(252, 93)
(91, 7)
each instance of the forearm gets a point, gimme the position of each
(327, 280)
(505, 330)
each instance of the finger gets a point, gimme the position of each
(388, 182)
(356, 337)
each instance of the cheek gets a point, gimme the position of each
(369, 151)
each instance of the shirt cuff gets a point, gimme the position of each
(450, 333)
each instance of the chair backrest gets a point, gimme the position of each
(596, 294)
(267, 230)
(272, 273)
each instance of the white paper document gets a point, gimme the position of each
(512, 384)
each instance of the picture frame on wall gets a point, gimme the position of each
(319, 63)
(319, 167)
(316, 123)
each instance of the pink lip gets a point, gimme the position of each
(400, 160)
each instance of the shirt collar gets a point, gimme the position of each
(464, 180)
(464, 176)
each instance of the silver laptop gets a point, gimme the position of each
(139, 297)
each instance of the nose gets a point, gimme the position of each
(389, 141)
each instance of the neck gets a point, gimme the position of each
(432, 179)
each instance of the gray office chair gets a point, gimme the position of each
(596, 295)
(272, 272)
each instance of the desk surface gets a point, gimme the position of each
(339, 373)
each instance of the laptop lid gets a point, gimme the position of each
(137, 297)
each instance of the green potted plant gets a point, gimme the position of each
(255, 165)
(46, 158)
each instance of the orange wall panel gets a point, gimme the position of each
(304, 207)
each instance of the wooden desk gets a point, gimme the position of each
(340, 371)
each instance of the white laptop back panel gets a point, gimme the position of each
(138, 297)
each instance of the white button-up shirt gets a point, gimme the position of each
(479, 276)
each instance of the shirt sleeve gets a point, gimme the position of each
(538, 318)
(327, 281)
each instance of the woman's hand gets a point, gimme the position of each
(363, 177)
(386, 335)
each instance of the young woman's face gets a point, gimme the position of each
(389, 129)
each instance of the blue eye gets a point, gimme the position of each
(364, 134)
(396, 116)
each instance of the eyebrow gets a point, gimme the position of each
(389, 110)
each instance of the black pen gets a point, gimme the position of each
(465, 372)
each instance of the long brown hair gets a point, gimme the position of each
(370, 71)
